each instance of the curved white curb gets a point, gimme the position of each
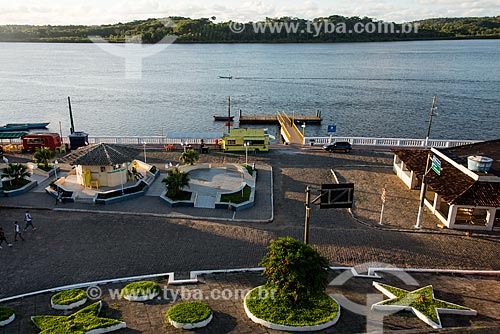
(108, 329)
(8, 321)
(144, 298)
(290, 328)
(191, 325)
(67, 307)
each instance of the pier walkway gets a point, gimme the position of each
(289, 130)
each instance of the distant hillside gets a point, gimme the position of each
(205, 31)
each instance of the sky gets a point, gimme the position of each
(90, 12)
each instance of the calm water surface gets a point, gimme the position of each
(368, 89)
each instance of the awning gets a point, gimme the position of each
(12, 135)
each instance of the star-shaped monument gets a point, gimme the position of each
(81, 322)
(421, 302)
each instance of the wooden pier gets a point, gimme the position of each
(272, 119)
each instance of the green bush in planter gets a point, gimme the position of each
(142, 288)
(189, 312)
(5, 313)
(295, 270)
(69, 297)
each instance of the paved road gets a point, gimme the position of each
(78, 247)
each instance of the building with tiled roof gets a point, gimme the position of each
(460, 197)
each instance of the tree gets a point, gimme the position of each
(16, 173)
(175, 181)
(43, 156)
(189, 157)
(295, 270)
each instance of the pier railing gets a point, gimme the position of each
(389, 142)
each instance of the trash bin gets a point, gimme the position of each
(78, 139)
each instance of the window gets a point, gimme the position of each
(466, 216)
(35, 141)
(496, 222)
(231, 142)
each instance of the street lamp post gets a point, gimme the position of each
(121, 176)
(303, 128)
(430, 121)
(246, 153)
(145, 159)
(56, 163)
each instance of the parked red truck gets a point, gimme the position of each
(33, 141)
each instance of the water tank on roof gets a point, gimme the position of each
(78, 139)
(479, 163)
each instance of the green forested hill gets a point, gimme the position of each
(205, 31)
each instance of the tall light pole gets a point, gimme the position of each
(56, 163)
(303, 128)
(430, 121)
(144, 144)
(121, 176)
(423, 190)
(246, 153)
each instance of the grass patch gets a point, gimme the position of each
(6, 313)
(68, 297)
(412, 299)
(46, 169)
(139, 289)
(15, 184)
(315, 311)
(236, 197)
(249, 169)
(181, 195)
(80, 322)
(189, 312)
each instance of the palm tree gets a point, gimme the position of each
(189, 157)
(175, 181)
(16, 173)
(43, 156)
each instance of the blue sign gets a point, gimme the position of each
(332, 128)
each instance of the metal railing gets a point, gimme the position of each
(389, 142)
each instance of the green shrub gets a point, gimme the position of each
(68, 297)
(16, 184)
(44, 168)
(295, 270)
(181, 195)
(142, 288)
(189, 312)
(249, 169)
(316, 310)
(236, 197)
(5, 313)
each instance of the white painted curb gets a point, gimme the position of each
(290, 328)
(141, 298)
(108, 329)
(67, 307)
(8, 321)
(191, 325)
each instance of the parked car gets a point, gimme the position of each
(341, 146)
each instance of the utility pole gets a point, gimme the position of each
(430, 121)
(228, 114)
(308, 215)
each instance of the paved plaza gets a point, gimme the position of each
(82, 242)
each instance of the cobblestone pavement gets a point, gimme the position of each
(72, 247)
(224, 293)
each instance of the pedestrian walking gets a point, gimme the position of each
(28, 220)
(3, 238)
(17, 231)
(59, 197)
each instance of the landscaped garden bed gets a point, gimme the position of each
(421, 302)
(293, 298)
(189, 315)
(68, 300)
(141, 291)
(7, 315)
(85, 321)
(237, 197)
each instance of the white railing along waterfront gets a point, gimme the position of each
(141, 140)
(389, 142)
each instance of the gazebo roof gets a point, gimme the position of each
(101, 155)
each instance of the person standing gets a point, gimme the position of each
(28, 220)
(3, 238)
(17, 231)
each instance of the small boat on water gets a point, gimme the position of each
(223, 118)
(225, 77)
(22, 126)
(28, 125)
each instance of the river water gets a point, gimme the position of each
(366, 89)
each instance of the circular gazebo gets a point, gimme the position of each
(105, 165)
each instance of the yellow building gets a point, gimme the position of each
(256, 140)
